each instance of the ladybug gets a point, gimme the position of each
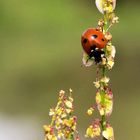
(93, 42)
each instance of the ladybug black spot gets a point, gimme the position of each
(94, 36)
(85, 40)
(103, 39)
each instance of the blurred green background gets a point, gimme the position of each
(40, 53)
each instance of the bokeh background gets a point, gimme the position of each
(40, 53)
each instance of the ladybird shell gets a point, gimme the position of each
(93, 39)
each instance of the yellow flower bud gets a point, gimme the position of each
(68, 104)
(103, 61)
(108, 106)
(102, 111)
(68, 111)
(49, 136)
(108, 133)
(70, 90)
(51, 113)
(105, 80)
(98, 98)
(101, 22)
(89, 132)
(109, 48)
(90, 111)
(108, 36)
(47, 128)
(97, 84)
(110, 64)
(54, 138)
(60, 134)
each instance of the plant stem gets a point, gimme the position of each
(103, 123)
(103, 71)
(71, 137)
(103, 118)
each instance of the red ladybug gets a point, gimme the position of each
(93, 42)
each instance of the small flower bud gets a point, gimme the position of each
(68, 104)
(108, 133)
(103, 61)
(77, 138)
(108, 36)
(97, 84)
(109, 48)
(90, 111)
(61, 94)
(101, 23)
(115, 19)
(47, 128)
(110, 64)
(70, 90)
(51, 113)
(98, 97)
(105, 80)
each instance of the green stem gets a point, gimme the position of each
(71, 137)
(103, 71)
(103, 118)
(103, 123)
